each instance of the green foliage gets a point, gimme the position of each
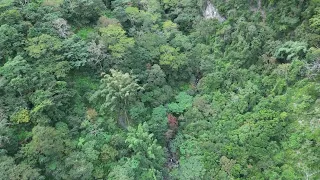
(11, 16)
(183, 12)
(14, 71)
(84, 32)
(52, 2)
(315, 21)
(147, 154)
(76, 51)
(79, 167)
(291, 50)
(171, 56)
(156, 77)
(47, 144)
(115, 39)
(183, 102)
(10, 40)
(156, 91)
(116, 90)
(190, 168)
(124, 172)
(6, 3)
(85, 84)
(148, 89)
(82, 12)
(158, 123)
(22, 116)
(43, 46)
(23, 171)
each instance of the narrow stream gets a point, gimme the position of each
(210, 12)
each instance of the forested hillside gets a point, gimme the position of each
(159, 89)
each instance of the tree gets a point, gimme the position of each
(10, 17)
(49, 104)
(183, 12)
(48, 144)
(143, 21)
(156, 77)
(16, 73)
(158, 123)
(62, 27)
(116, 41)
(10, 41)
(156, 91)
(116, 92)
(76, 51)
(123, 172)
(79, 167)
(6, 132)
(172, 57)
(82, 12)
(190, 168)
(98, 55)
(12, 171)
(22, 116)
(184, 101)
(181, 95)
(315, 21)
(147, 154)
(291, 50)
(43, 46)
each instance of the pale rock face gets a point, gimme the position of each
(211, 12)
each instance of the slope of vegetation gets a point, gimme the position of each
(151, 89)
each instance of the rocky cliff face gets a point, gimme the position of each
(210, 12)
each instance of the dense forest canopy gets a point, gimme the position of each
(159, 89)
